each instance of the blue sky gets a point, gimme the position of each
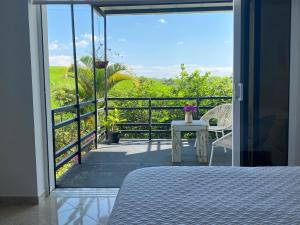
(151, 45)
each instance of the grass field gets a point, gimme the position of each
(59, 79)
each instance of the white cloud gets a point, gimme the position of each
(179, 43)
(56, 45)
(122, 40)
(161, 20)
(82, 43)
(60, 60)
(88, 37)
(173, 70)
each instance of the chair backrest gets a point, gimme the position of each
(222, 113)
(224, 141)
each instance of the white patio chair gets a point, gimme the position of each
(225, 141)
(223, 115)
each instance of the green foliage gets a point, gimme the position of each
(112, 120)
(60, 85)
(183, 85)
(122, 84)
(115, 74)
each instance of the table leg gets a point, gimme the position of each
(176, 146)
(202, 146)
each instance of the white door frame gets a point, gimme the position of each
(237, 95)
(44, 37)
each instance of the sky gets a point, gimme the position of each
(151, 45)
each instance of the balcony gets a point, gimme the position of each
(144, 142)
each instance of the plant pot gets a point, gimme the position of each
(101, 64)
(188, 118)
(115, 137)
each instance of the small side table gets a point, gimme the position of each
(201, 128)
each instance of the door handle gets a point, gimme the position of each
(240, 96)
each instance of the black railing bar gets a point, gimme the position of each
(87, 135)
(170, 98)
(144, 131)
(134, 131)
(64, 108)
(65, 148)
(66, 160)
(143, 124)
(178, 107)
(156, 107)
(94, 74)
(82, 104)
(161, 124)
(127, 99)
(150, 118)
(76, 82)
(87, 144)
(84, 116)
(214, 97)
(127, 108)
(53, 143)
(155, 98)
(132, 124)
(161, 131)
(64, 123)
(70, 107)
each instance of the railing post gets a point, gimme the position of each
(150, 118)
(53, 142)
(94, 80)
(76, 84)
(105, 76)
(198, 110)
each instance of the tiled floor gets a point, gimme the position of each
(88, 206)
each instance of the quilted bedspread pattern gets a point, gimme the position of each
(209, 195)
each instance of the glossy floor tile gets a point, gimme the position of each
(89, 206)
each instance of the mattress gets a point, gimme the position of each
(209, 195)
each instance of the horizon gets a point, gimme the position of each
(152, 45)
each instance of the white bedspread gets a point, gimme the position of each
(209, 195)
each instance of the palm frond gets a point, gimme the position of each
(120, 76)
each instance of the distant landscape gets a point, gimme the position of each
(123, 84)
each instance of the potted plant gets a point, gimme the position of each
(111, 125)
(189, 109)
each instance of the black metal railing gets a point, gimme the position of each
(82, 142)
(153, 127)
(82, 111)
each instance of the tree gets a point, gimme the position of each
(115, 73)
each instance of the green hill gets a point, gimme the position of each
(59, 77)
(59, 80)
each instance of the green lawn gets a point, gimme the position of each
(58, 76)
(59, 79)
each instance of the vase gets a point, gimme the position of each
(188, 117)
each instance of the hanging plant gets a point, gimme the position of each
(101, 64)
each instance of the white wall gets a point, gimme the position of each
(294, 111)
(22, 140)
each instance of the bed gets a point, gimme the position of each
(209, 195)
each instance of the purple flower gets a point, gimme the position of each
(190, 108)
